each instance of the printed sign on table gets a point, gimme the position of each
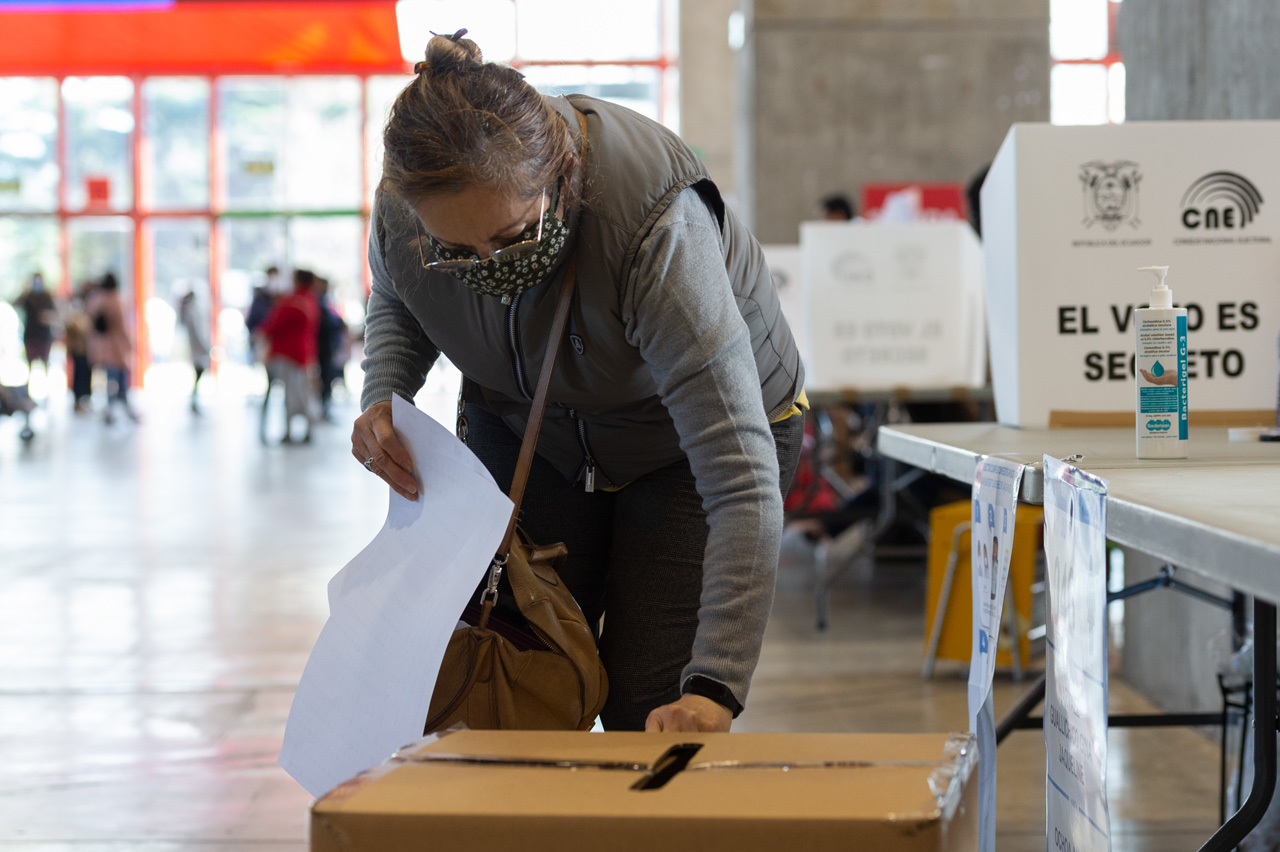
(995, 498)
(1075, 702)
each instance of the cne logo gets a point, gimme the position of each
(852, 267)
(1110, 194)
(1220, 200)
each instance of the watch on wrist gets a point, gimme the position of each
(716, 691)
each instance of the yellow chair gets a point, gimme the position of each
(950, 588)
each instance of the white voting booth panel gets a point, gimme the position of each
(893, 305)
(784, 265)
(1068, 213)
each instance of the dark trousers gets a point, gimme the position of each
(81, 377)
(635, 556)
(117, 386)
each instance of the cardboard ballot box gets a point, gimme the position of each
(544, 790)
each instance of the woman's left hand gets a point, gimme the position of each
(690, 713)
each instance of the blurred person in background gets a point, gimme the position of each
(110, 345)
(343, 343)
(197, 327)
(328, 344)
(39, 315)
(837, 208)
(264, 298)
(291, 331)
(973, 194)
(76, 331)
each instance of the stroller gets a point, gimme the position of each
(15, 401)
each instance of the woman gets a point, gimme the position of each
(194, 323)
(39, 313)
(110, 346)
(657, 463)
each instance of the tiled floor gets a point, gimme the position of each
(161, 585)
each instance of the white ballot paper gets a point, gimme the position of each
(1075, 699)
(995, 503)
(368, 682)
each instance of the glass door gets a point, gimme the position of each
(177, 253)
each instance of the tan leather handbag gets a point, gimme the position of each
(541, 675)
(533, 666)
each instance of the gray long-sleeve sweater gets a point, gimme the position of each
(681, 313)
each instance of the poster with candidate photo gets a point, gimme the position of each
(995, 499)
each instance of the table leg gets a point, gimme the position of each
(888, 513)
(1020, 712)
(1264, 741)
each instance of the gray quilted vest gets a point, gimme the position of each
(604, 412)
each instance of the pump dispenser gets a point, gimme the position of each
(1160, 374)
(1161, 296)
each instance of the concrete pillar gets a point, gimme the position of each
(842, 92)
(708, 87)
(1200, 59)
(1189, 60)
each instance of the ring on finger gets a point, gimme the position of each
(368, 464)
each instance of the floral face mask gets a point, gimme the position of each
(512, 269)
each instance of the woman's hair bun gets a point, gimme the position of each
(447, 53)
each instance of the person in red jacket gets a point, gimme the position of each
(290, 331)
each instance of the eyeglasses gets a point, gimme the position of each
(506, 254)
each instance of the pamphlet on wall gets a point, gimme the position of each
(1075, 703)
(995, 497)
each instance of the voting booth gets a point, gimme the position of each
(784, 265)
(888, 306)
(1069, 213)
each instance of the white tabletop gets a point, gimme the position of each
(1216, 512)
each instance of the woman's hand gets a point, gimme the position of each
(375, 445)
(690, 713)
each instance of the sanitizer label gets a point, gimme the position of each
(1162, 377)
(1182, 375)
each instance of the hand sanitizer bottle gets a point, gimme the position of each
(1161, 374)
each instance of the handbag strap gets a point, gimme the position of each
(534, 426)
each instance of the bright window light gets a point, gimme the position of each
(1115, 100)
(637, 88)
(1078, 29)
(489, 23)
(737, 30)
(565, 30)
(1078, 94)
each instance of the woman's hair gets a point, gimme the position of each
(465, 122)
(109, 282)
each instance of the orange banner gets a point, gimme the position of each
(340, 36)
